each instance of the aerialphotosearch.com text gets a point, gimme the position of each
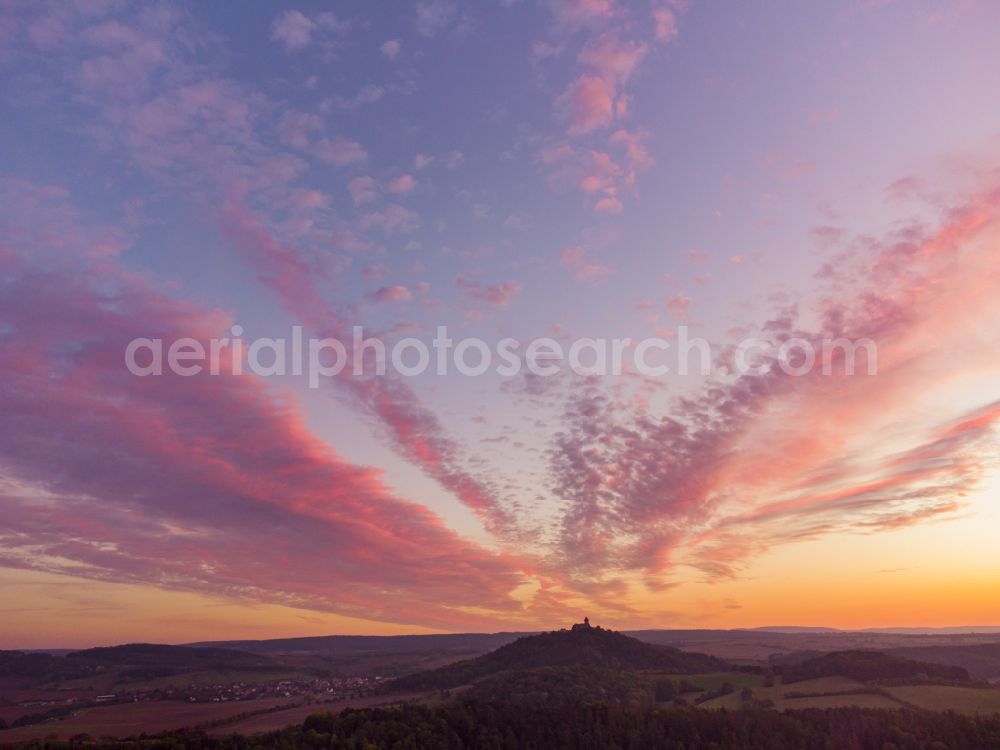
(361, 356)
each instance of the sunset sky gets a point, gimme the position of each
(505, 168)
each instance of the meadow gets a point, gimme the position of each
(127, 719)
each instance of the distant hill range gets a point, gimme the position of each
(581, 646)
(791, 629)
(131, 661)
(393, 656)
(964, 630)
(337, 645)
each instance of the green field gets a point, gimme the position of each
(941, 697)
(819, 693)
(279, 719)
(125, 719)
(867, 700)
(834, 692)
(715, 680)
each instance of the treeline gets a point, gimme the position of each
(563, 685)
(474, 725)
(137, 661)
(59, 712)
(875, 667)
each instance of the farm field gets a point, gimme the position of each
(823, 692)
(715, 680)
(112, 682)
(833, 692)
(125, 719)
(862, 700)
(298, 714)
(942, 697)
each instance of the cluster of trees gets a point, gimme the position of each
(726, 688)
(489, 726)
(37, 718)
(562, 685)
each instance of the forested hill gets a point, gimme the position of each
(981, 659)
(336, 645)
(136, 660)
(582, 646)
(178, 657)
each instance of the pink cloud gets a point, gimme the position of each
(575, 12)
(392, 294)
(574, 258)
(588, 103)
(296, 128)
(665, 24)
(608, 205)
(769, 459)
(391, 48)
(613, 58)
(497, 294)
(637, 156)
(402, 184)
(678, 302)
(340, 152)
(197, 134)
(571, 255)
(595, 98)
(607, 175)
(391, 218)
(412, 429)
(904, 188)
(366, 95)
(168, 481)
(433, 16)
(362, 189)
(294, 30)
(592, 272)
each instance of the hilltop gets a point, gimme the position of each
(581, 646)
